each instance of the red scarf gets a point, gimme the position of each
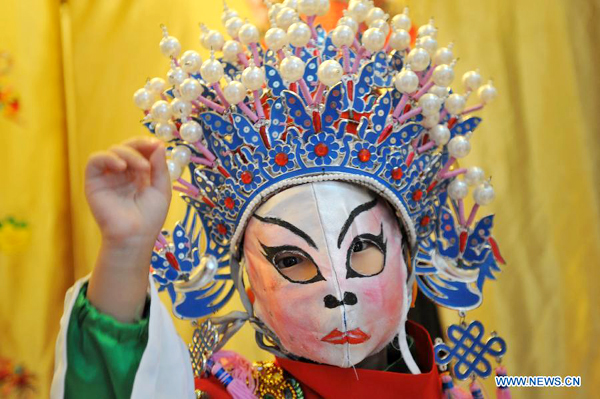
(330, 382)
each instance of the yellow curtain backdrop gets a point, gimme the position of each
(36, 263)
(76, 65)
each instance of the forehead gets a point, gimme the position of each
(309, 205)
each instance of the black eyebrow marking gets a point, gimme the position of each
(355, 212)
(288, 226)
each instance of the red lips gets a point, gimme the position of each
(353, 337)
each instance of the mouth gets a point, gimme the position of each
(353, 337)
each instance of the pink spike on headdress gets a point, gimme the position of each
(210, 104)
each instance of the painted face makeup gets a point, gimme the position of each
(325, 264)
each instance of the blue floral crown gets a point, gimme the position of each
(359, 104)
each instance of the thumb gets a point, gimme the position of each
(160, 177)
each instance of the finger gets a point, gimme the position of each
(144, 145)
(100, 162)
(160, 178)
(134, 159)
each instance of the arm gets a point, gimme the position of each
(105, 349)
(128, 190)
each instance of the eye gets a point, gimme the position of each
(360, 246)
(366, 256)
(283, 261)
(293, 263)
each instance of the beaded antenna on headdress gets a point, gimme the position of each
(359, 104)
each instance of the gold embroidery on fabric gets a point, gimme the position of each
(271, 382)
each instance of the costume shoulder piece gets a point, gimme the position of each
(368, 103)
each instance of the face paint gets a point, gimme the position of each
(325, 264)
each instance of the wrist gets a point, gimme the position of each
(132, 244)
(133, 253)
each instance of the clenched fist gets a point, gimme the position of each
(128, 189)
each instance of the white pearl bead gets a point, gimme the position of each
(176, 75)
(202, 38)
(231, 49)
(233, 25)
(431, 120)
(214, 40)
(286, 17)
(418, 59)
(330, 72)
(165, 131)
(308, 7)
(191, 131)
(401, 21)
(471, 80)
(440, 91)
(349, 22)
(181, 155)
(440, 134)
(358, 10)
(156, 85)
(234, 92)
(455, 103)
(427, 30)
(190, 89)
(292, 68)
(484, 194)
(474, 176)
(399, 40)
(374, 14)
(323, 8)
(291, 4)
(428, 43)
(170, 47)
(443, 55)
(342, 35)
(180, 109)
(487, 93)
(458, 190)
(373, 39)
(191, 62)
(381, 24)
(211, 71)
(299, 34)
(227, 14)
(430, 104)
(406, 81)
(459, 147)
(275, 39)
(253, 78)
(274, 10)
(443, 75)
(160, 112)
(143, 99)
(175, 169)
(248, 33)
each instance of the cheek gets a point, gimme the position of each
(381, 296)
(287, 308)
(379, 308)
(384, 296)
(296, 313)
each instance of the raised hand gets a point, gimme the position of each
(128, 189)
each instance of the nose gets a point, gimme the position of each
(332, 302)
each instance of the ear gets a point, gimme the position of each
(415, 291)
(408, 262)
(251, 297)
